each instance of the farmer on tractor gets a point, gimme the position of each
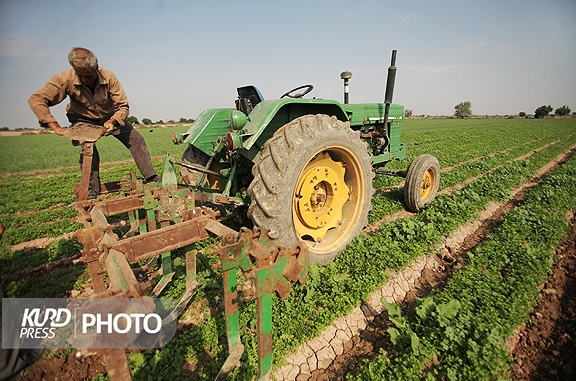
(97, 98)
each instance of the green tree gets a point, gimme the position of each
(562, 111)
(542, 111)
(522, 114)
(407, 113)
(132, 119)
(463, 109)
(146, 121)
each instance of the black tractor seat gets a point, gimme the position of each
(248, 97)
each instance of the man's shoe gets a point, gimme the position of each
(152, 179)
(92, 194)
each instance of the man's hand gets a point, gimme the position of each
(110, 127)
(55, 126)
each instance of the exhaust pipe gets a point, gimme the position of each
(391, 79)
(389, 88)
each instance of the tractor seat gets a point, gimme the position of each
(248, 97)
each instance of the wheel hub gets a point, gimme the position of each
(426, 185)
(320, 195)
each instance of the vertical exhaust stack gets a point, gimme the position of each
(389, 88)
(346, 75)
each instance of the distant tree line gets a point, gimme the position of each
(543, 111)
(464, 110)
(17, 129)
(147, 121)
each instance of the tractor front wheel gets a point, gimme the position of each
(422, 182)
(313, 183)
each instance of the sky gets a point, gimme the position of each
(177, 58)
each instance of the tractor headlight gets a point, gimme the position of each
(237, 119)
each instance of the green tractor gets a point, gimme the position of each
(303, 167)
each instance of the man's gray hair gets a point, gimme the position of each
(82, 58)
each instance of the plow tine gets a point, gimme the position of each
(161, 285)
(167, 275)
(264, 318)
(272, 270)
(181, 304)
(220, 230)
(122, 279)
(231, 362)
(191, 269)
(82, 188)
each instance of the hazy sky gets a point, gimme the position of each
(177, 58)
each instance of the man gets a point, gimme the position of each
(96, 97)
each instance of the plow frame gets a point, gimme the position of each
(163, 218)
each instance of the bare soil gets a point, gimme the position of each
(545, 347)
(65, 368)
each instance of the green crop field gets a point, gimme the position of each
(455, 332)
(48, 151)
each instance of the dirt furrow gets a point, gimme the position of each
(545, 347)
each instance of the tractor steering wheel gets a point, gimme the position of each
(298, 95)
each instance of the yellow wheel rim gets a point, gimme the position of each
(328, 199)
(427, 184)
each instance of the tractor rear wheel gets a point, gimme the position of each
(422, 182)
(313, 183)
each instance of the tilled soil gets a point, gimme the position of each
(545, 347)
(66, 368)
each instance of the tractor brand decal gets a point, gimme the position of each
(98, 323)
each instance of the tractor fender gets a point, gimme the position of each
(269, 116)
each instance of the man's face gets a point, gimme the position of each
(87, 75)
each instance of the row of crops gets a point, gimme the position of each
(458, 332)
